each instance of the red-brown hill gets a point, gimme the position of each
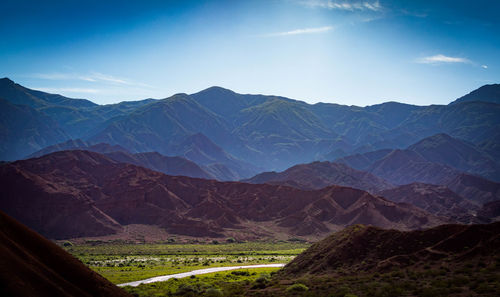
(31, 265)
(369, 249)
(72, 194)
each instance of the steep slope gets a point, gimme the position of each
(157, 126)
(444, 149)
(486, 93)
(438, 200)
(491, 210)
(475, 188)
(81, 193)
(34, 266)
(164, 164)
(361, 249)
(405, 166)
(318, 175)
(17, 94)
(201, 150)
(363, 161)
(24, 130)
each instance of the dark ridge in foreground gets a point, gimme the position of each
(359, 249)
(31, 265)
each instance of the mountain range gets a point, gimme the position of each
(269, 132)
(75, 193)
(166, 164)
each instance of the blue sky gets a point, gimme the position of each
(348, 52)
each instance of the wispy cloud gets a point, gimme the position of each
(345, 5)
(484, 66)
(442, 59)
(302, 31)
(91, 77)
(69, 90)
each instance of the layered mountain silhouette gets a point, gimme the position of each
(438, 200)
(269, 132)
(34, 266)
(74, 193)
(438, 160)
(433, 160)
(158, 162)
(318, 175)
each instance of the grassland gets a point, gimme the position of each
(234, 283)
(470, 279)
(122, 263)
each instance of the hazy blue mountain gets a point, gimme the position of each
(444, 149)
(18, 94)
(159, 125)
(435, 159)
(270, 132)
(24, 130)
(486, 93)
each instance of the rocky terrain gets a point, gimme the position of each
(80, 193)
(34, 266)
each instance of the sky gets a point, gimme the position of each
(347, 52)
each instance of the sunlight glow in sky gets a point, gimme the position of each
(348, 52)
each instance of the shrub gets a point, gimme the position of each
(240, 272)
(297, 288)
(230, 240)
(185, 289)
(67, 244)
(213, 292)
(261, 282)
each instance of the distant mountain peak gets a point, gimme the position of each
(218, 89)
(486, 93)
(6, 80)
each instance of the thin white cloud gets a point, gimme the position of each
(345, 5)
(92, 77)
(69, 90)
(484, 66)
(442, 59)
(302, 31)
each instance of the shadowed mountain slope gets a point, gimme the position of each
(361, 249)
(491, 210)
(444, 149)
(318, 175)
(24, 130)
(438, 200)
(34, 266)
(486, 93)
(81, 193)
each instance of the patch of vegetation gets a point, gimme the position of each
(121, 262)
(298, 287)
(214, 284)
